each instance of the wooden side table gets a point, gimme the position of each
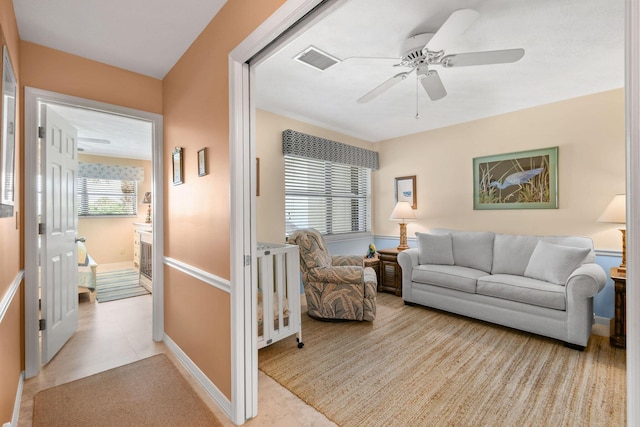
(618, 333)
(390, 271)
(375, 264)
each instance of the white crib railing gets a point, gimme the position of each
(278, 293)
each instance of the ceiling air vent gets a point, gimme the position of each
(316, 58)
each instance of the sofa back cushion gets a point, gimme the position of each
(511, 253)
(435, 249)
(473, 249)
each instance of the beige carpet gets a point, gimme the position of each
(421, 367)
(150, 392)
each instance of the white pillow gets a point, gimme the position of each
(435, 249)
(554, 263)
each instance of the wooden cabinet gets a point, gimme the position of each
(390, 272)
(137, 228)
(375, 264)
(618, 333)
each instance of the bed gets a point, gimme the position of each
(278, 296)
(87, 270)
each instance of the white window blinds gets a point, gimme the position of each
(330, 197)
(107, 197)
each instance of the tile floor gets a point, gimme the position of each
(119, 332)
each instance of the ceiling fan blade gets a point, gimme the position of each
(482, 58)
(432, 84)
(456, 24)
(383, 87)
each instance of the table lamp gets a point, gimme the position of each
(403, 212)
(146, 200)
(616, 212)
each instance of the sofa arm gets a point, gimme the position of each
(347, 260)
(337, 274)
(408, 259)
(586, 281)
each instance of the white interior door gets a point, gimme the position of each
(59, 253)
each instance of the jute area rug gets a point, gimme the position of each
(150, 392)
(421, 367)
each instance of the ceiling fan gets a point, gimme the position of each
(422, 51)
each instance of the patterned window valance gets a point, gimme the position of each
(102, 171)
(314, 147)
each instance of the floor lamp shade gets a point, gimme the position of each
(403, 212)
(616, 213)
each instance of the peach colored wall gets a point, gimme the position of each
(590, 134)
(198, 318)
(111, 239)
(62, 72)
(270, 215)
(11, 244)
(196, 115)
(56, 71)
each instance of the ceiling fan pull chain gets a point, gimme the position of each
(417, 104)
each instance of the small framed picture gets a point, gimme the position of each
(202, 162)
(406, 190)
(177, 166)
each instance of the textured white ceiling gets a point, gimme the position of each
(110, 135)
(573, 48)
(145, 36)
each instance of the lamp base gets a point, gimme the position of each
(147, 220)
(403, 237)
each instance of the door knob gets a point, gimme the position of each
(81, 239)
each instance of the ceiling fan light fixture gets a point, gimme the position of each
(316, 58)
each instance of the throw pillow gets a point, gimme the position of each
(83, 256)
(435, 249)
(554, 263)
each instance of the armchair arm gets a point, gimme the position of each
(347, 260)
(337, 274)
(586, 281)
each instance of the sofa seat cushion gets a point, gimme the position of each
(523, 289)
(447, 276)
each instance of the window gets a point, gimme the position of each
(107, 197)
(331, 197)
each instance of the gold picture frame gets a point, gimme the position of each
(202, 162)
(405, 190)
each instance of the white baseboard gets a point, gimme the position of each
(602, 320)
(16, 403)
(209, 387)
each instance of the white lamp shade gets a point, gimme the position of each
(403, 212)
(616, 211)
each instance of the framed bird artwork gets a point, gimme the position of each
(522, 180)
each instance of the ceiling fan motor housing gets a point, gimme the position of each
(413, 51)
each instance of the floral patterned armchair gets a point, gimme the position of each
(336, 287)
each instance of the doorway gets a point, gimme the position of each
(33, 99)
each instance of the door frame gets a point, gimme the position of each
(33, 97)
(244, 345)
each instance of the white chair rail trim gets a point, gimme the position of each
(203, 276)
(11, 292)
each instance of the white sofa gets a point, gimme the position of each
(544, 285)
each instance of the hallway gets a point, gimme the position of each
(119, 332)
